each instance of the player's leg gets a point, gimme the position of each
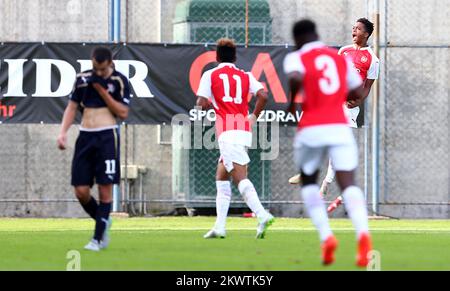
(328, 180)
(326, 183)
(107, 173)
(89, 204)
(83, 174)
(316, 210)
(103, 220)
(308, 161)
(345, 159)
(235, 160)
(248, 192)
(223, 200)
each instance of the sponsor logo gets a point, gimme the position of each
(44, 69)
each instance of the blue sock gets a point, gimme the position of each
(101, 220)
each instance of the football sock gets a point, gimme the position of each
(330, 174)
(91, 207)
(316, 210)
(223, 200)
(356, 209)
(248, 191)
(101, 220)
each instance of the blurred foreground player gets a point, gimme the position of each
(226, 88)
(103, 95)
(327, 80)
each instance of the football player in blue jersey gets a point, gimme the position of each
(103, 96)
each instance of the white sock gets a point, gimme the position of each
(330, 174)
(316, 210)
(356, 209)
(248, 191)
(223, 200)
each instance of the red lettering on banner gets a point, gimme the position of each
(264, 64)
(7, 110)
(195, 73)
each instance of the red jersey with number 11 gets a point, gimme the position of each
(228, 87)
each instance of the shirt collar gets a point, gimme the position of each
(312, 45)
(221, 65)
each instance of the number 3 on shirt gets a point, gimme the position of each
(226, 89)
(329, 82)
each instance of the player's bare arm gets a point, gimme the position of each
(68, 118)
(203, 102)
(117, 108)
(262, 99)
(295, 85)
(365, 93)
(355, 96)
(366, 88)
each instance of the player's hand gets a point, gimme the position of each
(62, 141)
(98, 87)
(252, 119)
(96, 79)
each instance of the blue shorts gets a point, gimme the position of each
(96, 158)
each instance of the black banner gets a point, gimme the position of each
(36, 78)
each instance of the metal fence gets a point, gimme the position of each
(414, 162)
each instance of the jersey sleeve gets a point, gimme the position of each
(374, 68)
(79, 88)
(353, 78)
(292, 63)
(255, 85)
(204, 89)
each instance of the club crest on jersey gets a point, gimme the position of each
(363, 59)
(111, 88)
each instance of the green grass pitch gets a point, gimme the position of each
(176, 243)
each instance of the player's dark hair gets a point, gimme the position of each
(304, 27)
(368, 26)
(226, 50)
(101, 54)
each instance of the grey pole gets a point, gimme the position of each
(375, 117)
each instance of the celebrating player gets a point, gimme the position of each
(226, 88)
(103, 95)
(367, 65)
(327, 80)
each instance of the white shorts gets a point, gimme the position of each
(312, 144)
(233, 153)
(352, 116)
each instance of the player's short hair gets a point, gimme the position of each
(101, 54)
(368, 26)
(226, 50)
(302, 27)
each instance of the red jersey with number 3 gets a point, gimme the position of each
(228, 87)
(327, 78)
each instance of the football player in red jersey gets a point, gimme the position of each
(226, 88)
(328, 80)
(367, 65)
